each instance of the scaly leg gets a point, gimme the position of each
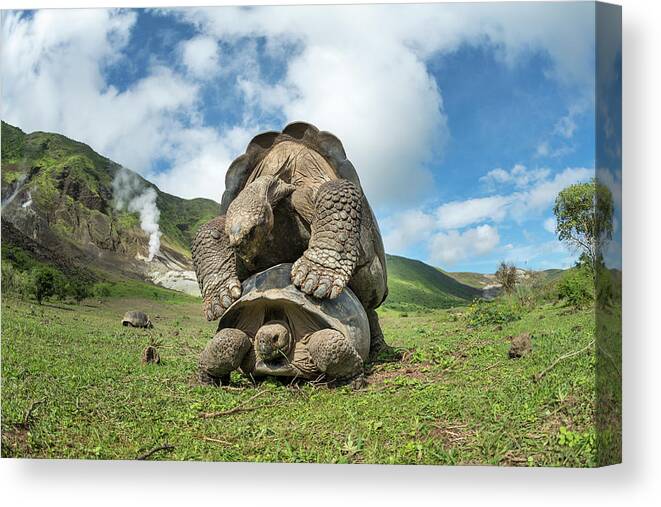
(215, 266)
(330, 259)
(334, 355)
(378, 345)
(224, 353)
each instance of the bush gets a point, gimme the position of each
(48, 282)
(16, 282)
(483, 313)
(78, 290)
(101, 290)
(506, 276)
(576, 287)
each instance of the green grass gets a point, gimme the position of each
(414, 285)
(455, 398)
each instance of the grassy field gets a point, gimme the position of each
(73, 386)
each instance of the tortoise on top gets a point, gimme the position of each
(293, 197)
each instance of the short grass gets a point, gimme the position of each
(73, 386)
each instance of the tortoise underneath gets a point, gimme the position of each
(276, 329)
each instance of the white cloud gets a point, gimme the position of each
(358, 71)
(200, 56)
(409, 228)
(457, 214)
(550, 224)
(519, 176)
(447, 248)
(361, 73)
(541, 196)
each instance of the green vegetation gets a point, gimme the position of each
(584, 215)
(414, 285)
(74, 387)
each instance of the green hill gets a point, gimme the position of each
(414, 285)
(59, 192)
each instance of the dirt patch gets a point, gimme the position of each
(15, 441)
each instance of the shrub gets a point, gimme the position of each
(481, 313)
(16, 281)
(78, 290)
(101, 290)
(506, 276)
(47, 283)
(576, 287)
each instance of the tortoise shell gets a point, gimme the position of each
(270, 295)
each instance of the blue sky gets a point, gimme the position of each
(463, 120)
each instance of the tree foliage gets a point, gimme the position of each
(47, 282)
(506, 276)
(584, 215)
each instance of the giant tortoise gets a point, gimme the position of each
(275, 329)
(293, 197)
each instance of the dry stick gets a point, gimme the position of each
(540, 375)
(236, 410)
(239, 408)
(166, 447)
(215, 440)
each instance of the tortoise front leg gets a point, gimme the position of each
(330, 259)
(334, 355)
(224, 353)
(215, 267)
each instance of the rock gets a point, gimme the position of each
(521, 346)
(150, 355)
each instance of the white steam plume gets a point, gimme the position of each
(130, 194)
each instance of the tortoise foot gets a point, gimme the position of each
(334, 355)
(224, 353)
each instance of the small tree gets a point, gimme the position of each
(584, 215)
(101, 290)
(79, 290)
(46, 283)
(506, 276)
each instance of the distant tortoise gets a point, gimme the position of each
(136, 319)
(293, 197)
(275, 329)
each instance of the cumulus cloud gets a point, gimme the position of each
(361, 73)
(519, 176)
(452, 225)
(200, 56)
(358, 71)
(457, 214)
(453, 246)
(550, 224)
(53, 80)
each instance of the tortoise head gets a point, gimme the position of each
(249, 218)
(273, 341)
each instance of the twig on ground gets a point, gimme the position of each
(215, 440)
(539, 376)
(239, 408)
(166, 447)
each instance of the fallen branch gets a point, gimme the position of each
(166, 447)
(215, 440)
(541, 374)
(238, 409)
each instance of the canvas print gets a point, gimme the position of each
(385, 234)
